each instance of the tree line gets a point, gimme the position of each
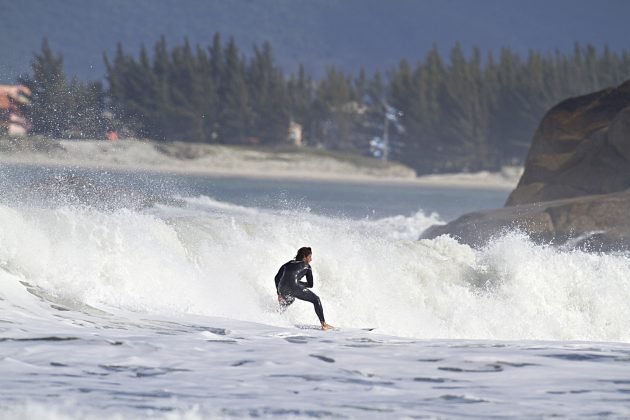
(481, 113)
(466, 112)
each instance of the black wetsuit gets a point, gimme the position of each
(289, 286)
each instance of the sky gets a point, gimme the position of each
(348, 34)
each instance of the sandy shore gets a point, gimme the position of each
(217, 160)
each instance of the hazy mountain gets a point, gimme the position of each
(319, 33)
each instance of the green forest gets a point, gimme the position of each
(461, 112)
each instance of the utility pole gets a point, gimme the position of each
(386, 136)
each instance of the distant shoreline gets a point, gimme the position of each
(240, 162)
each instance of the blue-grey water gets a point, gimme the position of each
(170, 311)
(336, 199)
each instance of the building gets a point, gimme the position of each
(12, 98)
(295, 133)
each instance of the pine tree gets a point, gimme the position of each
(207, 97)
(235, 110)
(268, 97)
(87, 102)
(300, 91)
(186, 101)
(335, 110)
(51, 102)
(60, 108)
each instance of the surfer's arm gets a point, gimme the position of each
(278, 277)
(309, 278)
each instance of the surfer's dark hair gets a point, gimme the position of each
(303, 252)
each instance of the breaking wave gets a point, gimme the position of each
(217, 259)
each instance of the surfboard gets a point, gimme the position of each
(318, 327)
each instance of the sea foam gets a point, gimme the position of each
(213, 258)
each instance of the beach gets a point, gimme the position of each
(236, 161)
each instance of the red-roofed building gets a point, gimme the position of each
(12, 97)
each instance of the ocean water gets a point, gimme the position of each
(170, 312)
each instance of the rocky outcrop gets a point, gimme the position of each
(575, 187)
(582, 147)
(596, 222)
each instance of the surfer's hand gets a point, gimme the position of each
(281, 300)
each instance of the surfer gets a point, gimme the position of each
(289, 285)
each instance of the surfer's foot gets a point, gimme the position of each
(326, 326)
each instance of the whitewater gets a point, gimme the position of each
(170, 312)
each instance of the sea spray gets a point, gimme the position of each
(216, 259)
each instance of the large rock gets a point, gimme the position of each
(575, 187)
(596, 222)
(581, 147)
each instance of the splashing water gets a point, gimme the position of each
(216, 259)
